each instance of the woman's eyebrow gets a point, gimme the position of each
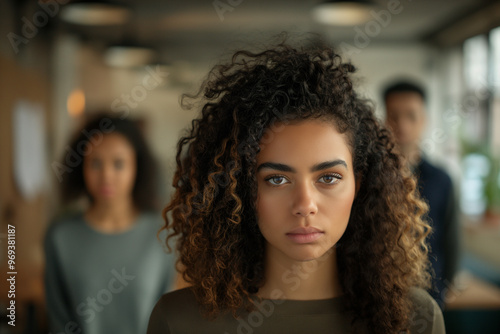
(315, 168)
(328, 164)
(276, 166)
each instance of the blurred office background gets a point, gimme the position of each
(61, 60)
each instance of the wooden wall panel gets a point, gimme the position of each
(29, 216)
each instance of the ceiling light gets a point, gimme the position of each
(95, 13)
(343, 13)
(129, 56)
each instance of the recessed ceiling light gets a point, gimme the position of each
(95, 13)
(343, 13)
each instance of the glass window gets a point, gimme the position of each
(476, 62)
(495, 60)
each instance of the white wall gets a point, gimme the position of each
(438, 72)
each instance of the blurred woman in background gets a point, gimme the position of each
(105, 268)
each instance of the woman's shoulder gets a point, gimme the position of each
(64, 224)
(174, 306)
(426, 316)
(177, 301)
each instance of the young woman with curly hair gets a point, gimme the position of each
(292, 211)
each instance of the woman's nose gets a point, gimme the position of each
(304, 203)
(106, 172)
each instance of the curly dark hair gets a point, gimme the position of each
(72, 185)
(212, 215)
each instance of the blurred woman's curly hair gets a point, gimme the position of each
(212, 215)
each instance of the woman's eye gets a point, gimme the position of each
(330, 178)
(95, 164)
(276, 180)
(119, 164)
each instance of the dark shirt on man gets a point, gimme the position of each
(436, 188)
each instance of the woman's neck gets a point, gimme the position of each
(112, 217)
(411, 154)
(301, 280)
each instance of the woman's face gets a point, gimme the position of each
(306, 188)
(109, 169)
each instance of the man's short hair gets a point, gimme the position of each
(404, 87)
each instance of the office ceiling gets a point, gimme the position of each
(195, 29)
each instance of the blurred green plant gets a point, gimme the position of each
(492, 189)
(492, 180)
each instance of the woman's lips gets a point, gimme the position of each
(106, 191)
(304, 235)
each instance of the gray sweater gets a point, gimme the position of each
(104, 283)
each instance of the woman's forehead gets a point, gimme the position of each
(309, 141)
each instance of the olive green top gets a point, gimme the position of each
(178, 312)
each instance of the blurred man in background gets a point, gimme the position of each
(406, 116)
